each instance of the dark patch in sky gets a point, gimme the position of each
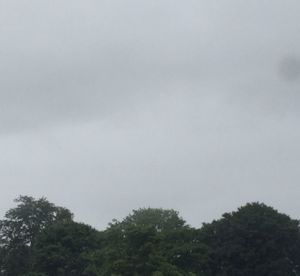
(290, 68)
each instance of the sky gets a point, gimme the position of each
(112, 105)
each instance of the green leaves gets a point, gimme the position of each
(159, 219)
(64, 248)
(255, 240)
(23, 223)
(38, 238)
(20, 228)
(147, 242)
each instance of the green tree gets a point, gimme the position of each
(159, 219)
(135, 246)
(255, 240)
(19, 229)
(64, 249)
(38, 238)
(184, 249)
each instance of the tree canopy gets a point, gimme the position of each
(20, 228)
(38, 238)
(255, 240)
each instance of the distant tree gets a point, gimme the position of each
(19, 229)
(38, 238)
(65, 248)
(185, 250)
(138, 245)
(157, 218)
(255, 240)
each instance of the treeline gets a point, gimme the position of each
(38, 238)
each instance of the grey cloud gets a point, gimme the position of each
(289, 68)
(112, 105)
(73, 61)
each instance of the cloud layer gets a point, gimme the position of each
(107, 106)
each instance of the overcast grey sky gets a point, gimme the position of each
(107, 106)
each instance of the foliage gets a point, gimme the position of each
(159, 219)
(62, 249)
(41, 239)
(255, 240)
(133, 246)
(19, 229)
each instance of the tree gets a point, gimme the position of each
(38, 238)
(255, 240)
(159, 219)
(136, 246)
(19, 229)
(64, 249)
